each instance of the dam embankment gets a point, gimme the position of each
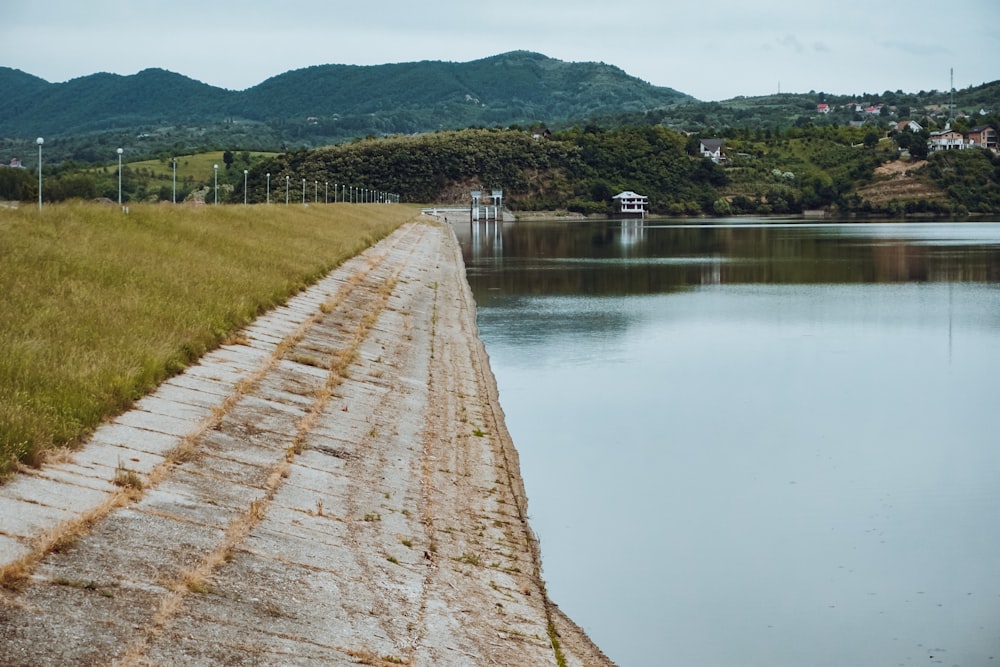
(335, 487)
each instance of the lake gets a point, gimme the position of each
(751, 442)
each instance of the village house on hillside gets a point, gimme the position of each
(712, 149)
(982, 136)
(946, 140)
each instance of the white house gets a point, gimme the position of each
(629, 204)
(712, 149)
(946, 140)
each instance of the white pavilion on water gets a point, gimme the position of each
(631, 205)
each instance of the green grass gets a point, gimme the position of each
(99, 307)
(199, 167)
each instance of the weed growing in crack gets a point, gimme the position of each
(470, 559)
(126, 478)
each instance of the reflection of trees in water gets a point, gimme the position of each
(612, 258)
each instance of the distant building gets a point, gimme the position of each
(984, 136)
(911, 125)
(630, 205)
(946, 140)
(712, 149)
(822, 108)
(14, 164)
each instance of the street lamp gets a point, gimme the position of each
(175, 182)
(303, 192)
(39, 141)
(216, 167)
(326, 192)
(245, 172)
(287, 179)
(316, 192)
(120, 151)
(268, 187)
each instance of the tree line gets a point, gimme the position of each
(578, 169)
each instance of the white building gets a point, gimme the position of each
(631, 205)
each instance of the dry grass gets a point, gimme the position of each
(100, 307)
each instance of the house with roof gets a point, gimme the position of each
(712, 149)
(630, 205)
(911, 125)
(946, 140)
(822, 108)
(983, 136)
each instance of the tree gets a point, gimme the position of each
(871, 140)
(918, 148)
(227, 157)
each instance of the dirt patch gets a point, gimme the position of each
(900, 181)
(899, 167)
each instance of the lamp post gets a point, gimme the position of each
(245, 172)
(216, 168)
(268, 187)
(287, 179)
(303, 192)
(174, 198)
(120, 151)
(316, 192)
(326, 192)
(39, 141)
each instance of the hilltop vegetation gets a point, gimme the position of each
(160, 113)
(847, 171)
(156, 110)
(563, 136)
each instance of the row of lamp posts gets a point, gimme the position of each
(357, 195)
(41, 141)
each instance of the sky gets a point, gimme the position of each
(710, 49)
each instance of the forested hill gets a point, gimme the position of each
(329, 102)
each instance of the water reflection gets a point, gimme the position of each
(756, 444)
(640, 257)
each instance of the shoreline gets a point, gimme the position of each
(337, 487)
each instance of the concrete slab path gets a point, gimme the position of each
(336, 488)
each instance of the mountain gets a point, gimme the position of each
(316, 104)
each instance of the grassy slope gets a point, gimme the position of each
(198, 167)
(99, 307)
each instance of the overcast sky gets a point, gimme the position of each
(711, 49)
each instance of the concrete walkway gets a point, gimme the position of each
(337, 487)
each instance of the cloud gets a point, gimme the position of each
(790, 42)
(918, 49)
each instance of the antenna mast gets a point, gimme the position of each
(951, 98)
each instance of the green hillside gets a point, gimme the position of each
(329, 103)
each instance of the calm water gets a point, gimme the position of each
(749, 444)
